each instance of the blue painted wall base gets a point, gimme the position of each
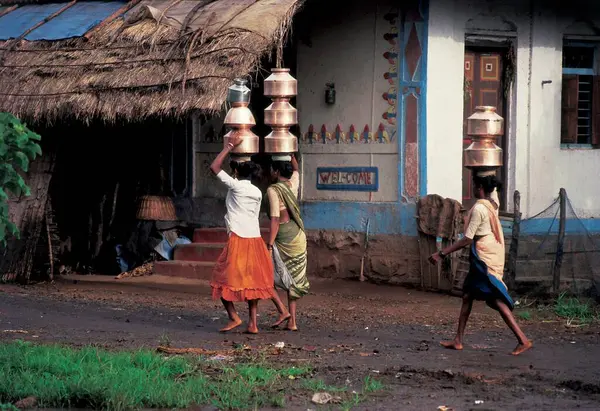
(401, 219)
(384, 218)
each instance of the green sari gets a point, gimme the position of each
(291, 242)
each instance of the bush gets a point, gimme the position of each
(18, 146)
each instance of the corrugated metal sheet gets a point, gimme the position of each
(73, 22)
(15, 23)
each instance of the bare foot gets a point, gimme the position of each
(252, 329)
(291, 326)
(521, 348)
(452, 345)
(231, 325)
(281, 319)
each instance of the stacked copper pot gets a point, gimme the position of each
(281, 87)
(239, 120)
(484, 127)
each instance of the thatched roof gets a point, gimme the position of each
(163, 57)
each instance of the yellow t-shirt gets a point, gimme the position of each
(479, 224)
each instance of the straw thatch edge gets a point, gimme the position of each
(131, 72)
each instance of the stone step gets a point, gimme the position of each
(199, 252)
(219, 235)
(197, 270)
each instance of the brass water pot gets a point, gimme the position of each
(239, 115)
(485, 122)
(484, 127)
(483, 153)
(281, 113)
(281, 140)
(249, 145)
(280, 84)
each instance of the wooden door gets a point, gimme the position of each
(483, 87)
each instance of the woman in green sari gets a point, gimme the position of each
(287, 234)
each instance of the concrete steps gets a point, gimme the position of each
(207, 252)
(197, 260)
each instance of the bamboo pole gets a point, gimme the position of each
(8, 10)
(511, 272)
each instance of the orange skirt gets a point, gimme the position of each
(244, 271)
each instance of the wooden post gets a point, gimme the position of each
(562, 196)
(362, 261)
(511, 266)
(49, 238)
(28, 213)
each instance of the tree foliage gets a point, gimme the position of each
(18, 146)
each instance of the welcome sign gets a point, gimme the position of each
(348, 178)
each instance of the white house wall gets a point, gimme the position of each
(346, 49)
(537, 166)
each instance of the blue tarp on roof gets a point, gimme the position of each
(73, 22)
(15, 23)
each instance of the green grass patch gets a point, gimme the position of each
(370, 386)
(319, 385)
(524, 315)
(93, 378)
(350, 399)
(574, 309)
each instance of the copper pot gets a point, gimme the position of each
(281, 113)
(156, 208)
(239, 115)
(484, 127)
(280, 140)
(485, 122)
(483, 153)
(280, 84)
(249, 145)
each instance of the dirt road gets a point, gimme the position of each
(349, 330)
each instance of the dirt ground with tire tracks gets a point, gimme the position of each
(348, 330)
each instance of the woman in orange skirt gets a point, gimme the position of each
(244, 271)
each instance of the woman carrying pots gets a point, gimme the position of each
(484, 282)
(287, 239)
(244, 270)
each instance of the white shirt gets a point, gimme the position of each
(243, 206)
